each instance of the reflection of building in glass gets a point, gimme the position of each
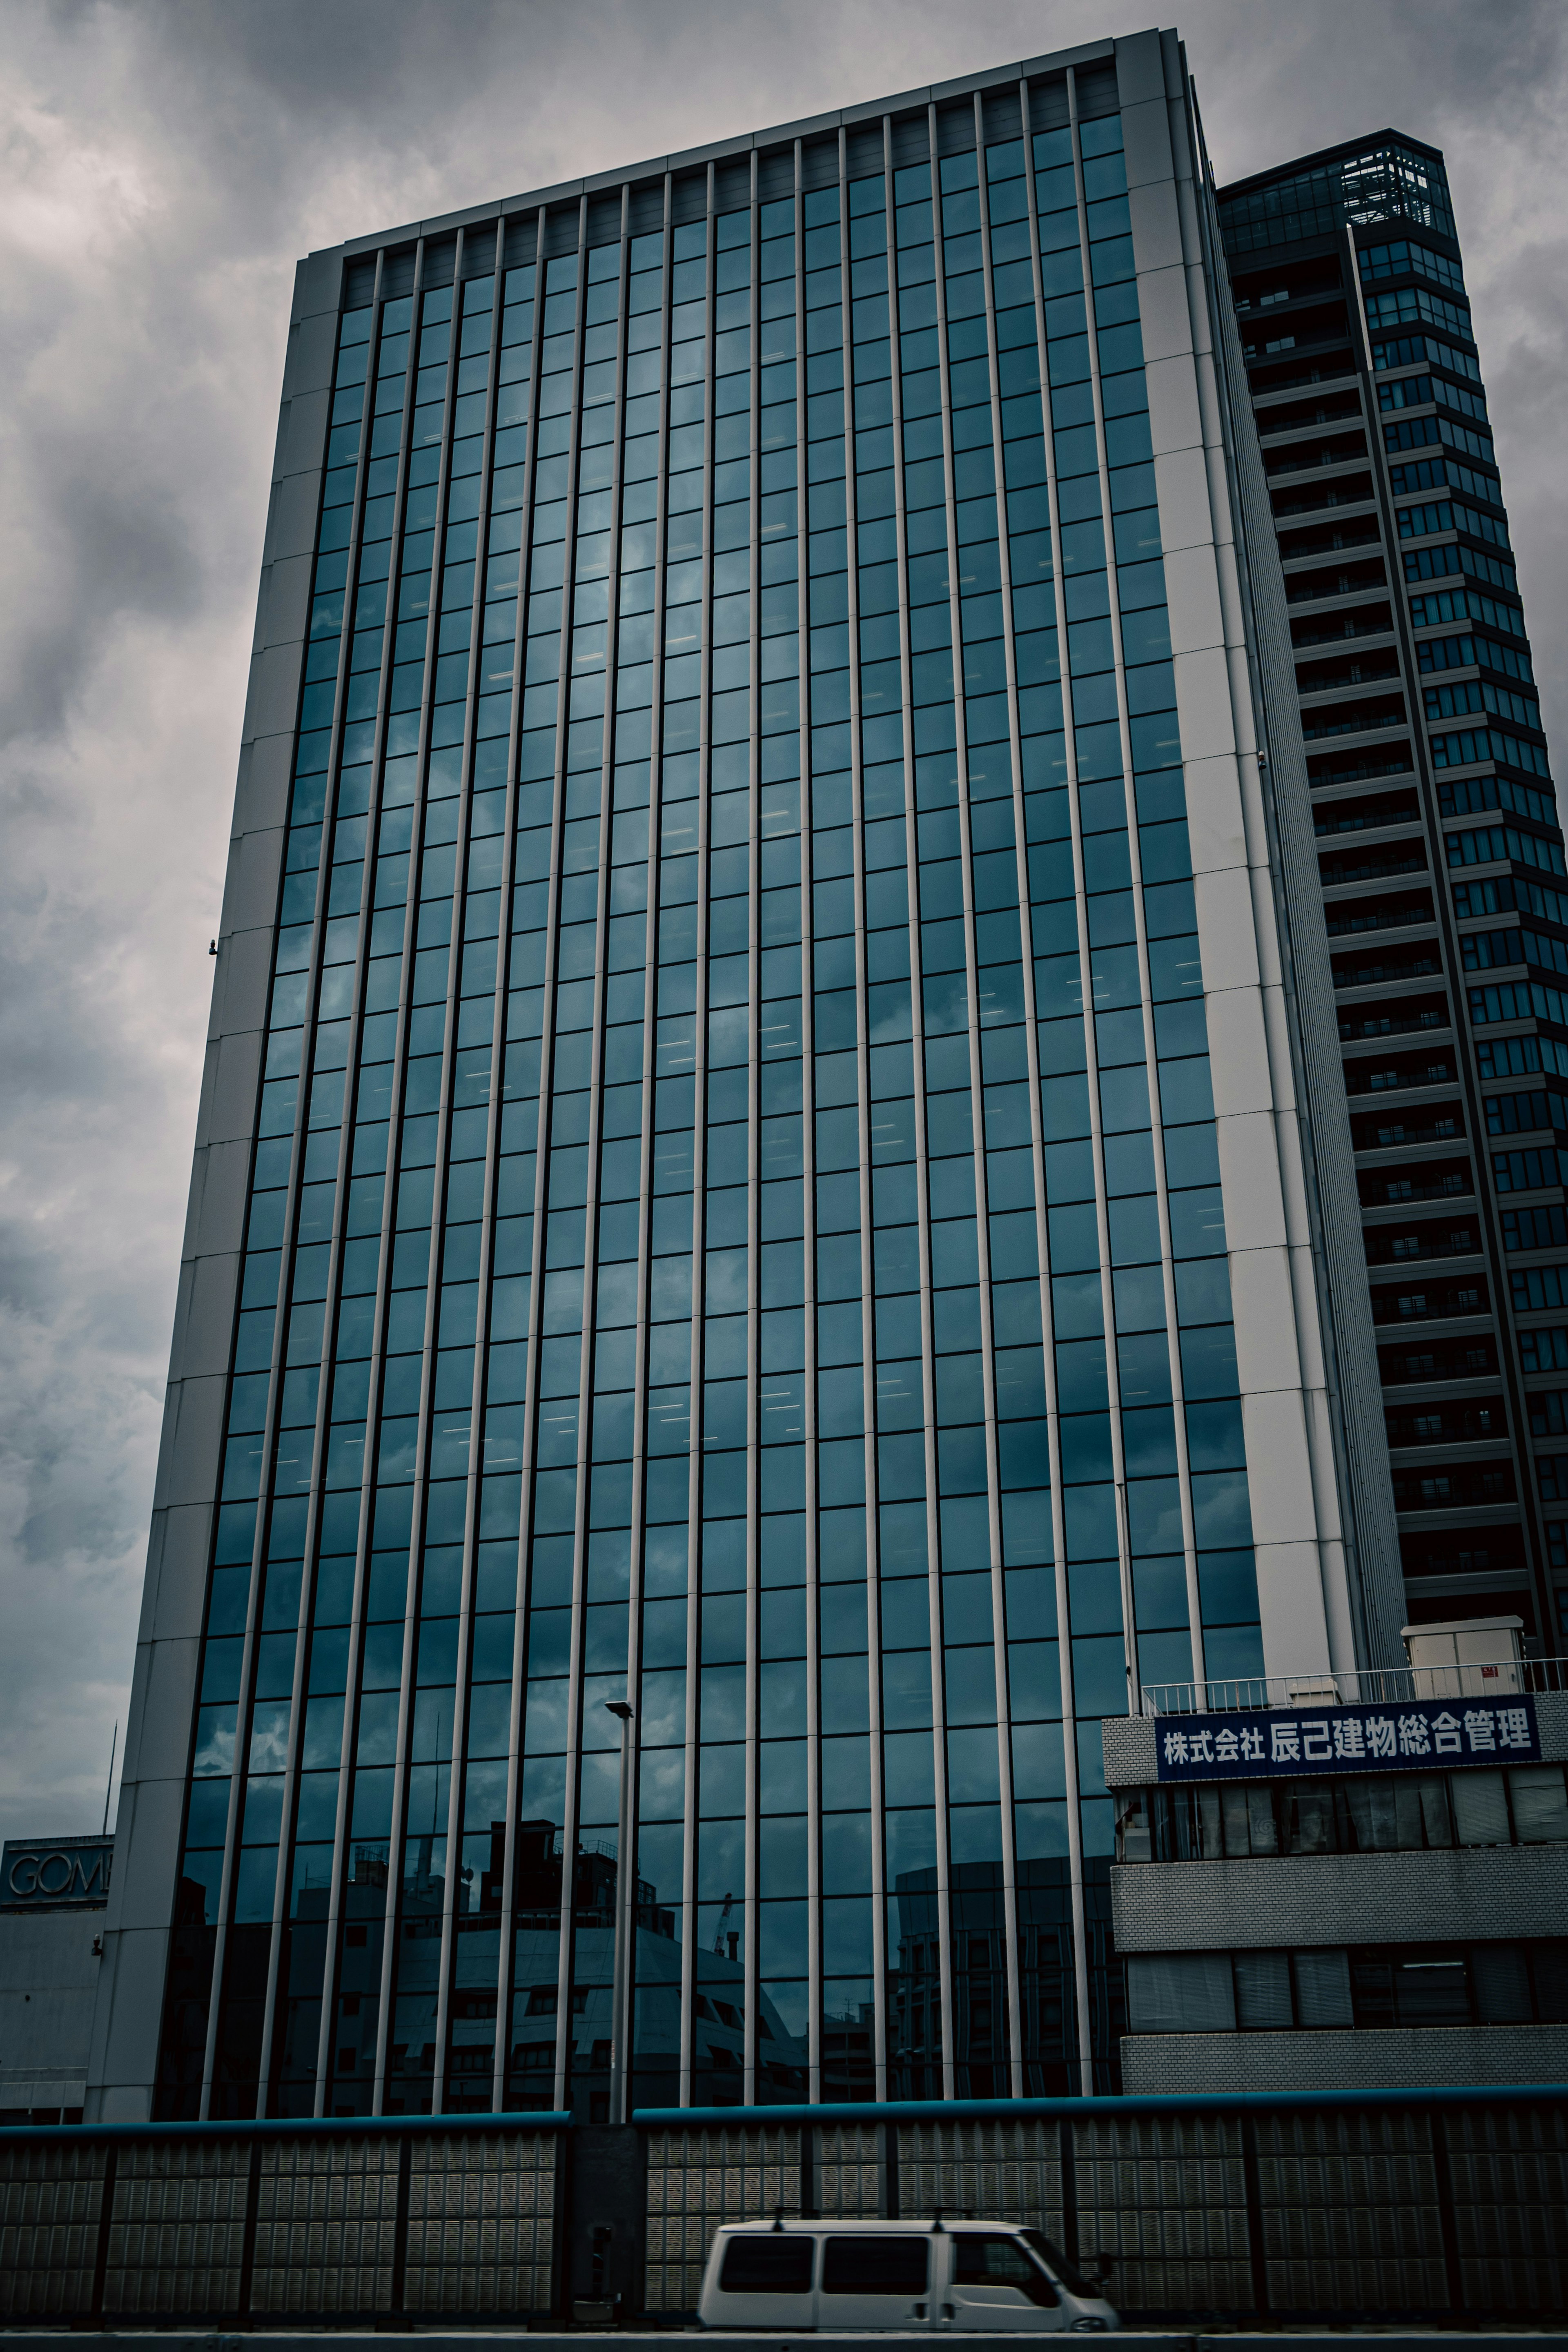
(767, 1156)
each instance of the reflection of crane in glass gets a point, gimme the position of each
(723, 1922)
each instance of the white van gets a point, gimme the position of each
(964, 2276)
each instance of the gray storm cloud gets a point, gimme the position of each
(161, 168)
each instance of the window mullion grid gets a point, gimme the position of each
(1080, 912)
(881, 1958)
(1032, 1049)
(241, 1742)
(917, 1007)
(275, 1384)
(627, 1829)
(752, 1871)
(497, 1076)
(808, 1139)
(961, 762)
(699, 1106)
(698, 1171)
(571, 1808)
(1101, 1194)
(542, 1136)
(414, 1591)
(455, 1797)
(863, 1087)
(1156, 1125)
(993, 1433)
(977, 1083)
(367, 1473)
(388, 1222)
(239, 1771)
(314, 1492)
(595, 1083)
(627, 2016)
(625, 2021)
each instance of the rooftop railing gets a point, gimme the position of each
(1358, 1686)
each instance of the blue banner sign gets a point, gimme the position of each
(1410, 1736)
(41, 1874)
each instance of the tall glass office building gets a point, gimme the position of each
(773, 1152)
(1426, 759)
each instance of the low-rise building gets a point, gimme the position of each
(1324, 1888)
(53, 1893)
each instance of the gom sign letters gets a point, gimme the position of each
(1413, 1735)
(35, 1874)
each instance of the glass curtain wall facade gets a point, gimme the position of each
(1442, 858)
(733, 1217)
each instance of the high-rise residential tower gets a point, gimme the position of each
(772, 1156)
(1441, 856)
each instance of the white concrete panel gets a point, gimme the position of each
(288, 599)
(167, 1428)
(1156, 227)
(1290, 1605)
(1192, 599)
(1146, 141)
(1182, 489)
(163, 1749)
(244, 968)
(1203, 703)
(1249, 1181)
(1226, 939)
(307, 438)
(181, 1572)
(1309, 1317)
(312, 350)
(1276, 1023)
(1270, 964)
(126, 2103)
(210, 1316)
(226, 1176)
(1263, 1309)
(1290, 1149)
(273, 694)
(125, 2028)
(1140, 70)
(317, 282)
(237, 1079)
(189, 1470)
(1238, 1055)
(1279, 1468)
(1162, 310)
(291, 517)
(1341, 1622)
(261, 803)
(1216, 836)
(1320, 1438)
(148, 1860)
(1173, 420)
(250, 891)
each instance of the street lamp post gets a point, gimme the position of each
(625, 1896)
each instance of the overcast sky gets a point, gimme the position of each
(161, 168)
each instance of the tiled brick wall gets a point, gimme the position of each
(1398, 2057)
(1474, 1891)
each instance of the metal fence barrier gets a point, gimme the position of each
(1385, 2206)
(1312, 2207)
(428, 2217)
